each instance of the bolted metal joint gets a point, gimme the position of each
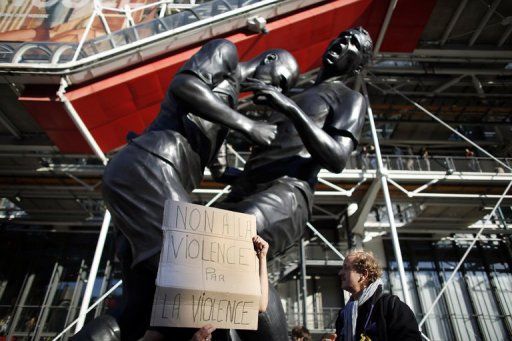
(257, 25)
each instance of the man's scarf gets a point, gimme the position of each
(350, 311)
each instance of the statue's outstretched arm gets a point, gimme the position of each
(205, 104)
(331, 150)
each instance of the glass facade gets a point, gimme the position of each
(476, 305)
(53, 32)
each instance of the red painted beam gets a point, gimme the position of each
(130, 100)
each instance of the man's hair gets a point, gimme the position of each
(364, 261)
(365, 42)
(301, 331)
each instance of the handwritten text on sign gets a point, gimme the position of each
(208, 269)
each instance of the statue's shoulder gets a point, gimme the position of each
(213, 61)
(225, 46)
(337, 88)
(338, 84)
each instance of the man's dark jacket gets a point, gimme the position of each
(391, 319)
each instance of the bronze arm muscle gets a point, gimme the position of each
(207, 105)
(330, 150)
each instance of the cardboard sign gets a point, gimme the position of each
(208, 270)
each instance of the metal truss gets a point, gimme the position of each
(166, 34)
(416, 192)
(90, 308)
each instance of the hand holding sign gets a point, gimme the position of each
(204, 334)
(260, 246)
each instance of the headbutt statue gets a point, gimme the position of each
(168, 159)
(315, 129)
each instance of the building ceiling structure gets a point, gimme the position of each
(453, 57)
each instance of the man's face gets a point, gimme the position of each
(343, 54)
(351, 280)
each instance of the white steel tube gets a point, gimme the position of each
(84, 36)
(104, 21)
(387, 198)
(396, 244)
(238, 156)
(384, 27)
(153, 4)
(106, 219)
(246, 10)
(477, 237)
(75, 117)
(319, 235)
(462, 136)
(333, 186)
(453, 21)
(98, 301)
(93, 272)
(214, 199)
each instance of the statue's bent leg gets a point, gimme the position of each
(135, 187)
(139, 284)
(282, 209)
(103, 328)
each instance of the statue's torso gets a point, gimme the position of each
(287, 154)
(217, 66)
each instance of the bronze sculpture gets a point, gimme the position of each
(167, 161)
(318, 128)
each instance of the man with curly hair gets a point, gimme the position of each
(371, 314)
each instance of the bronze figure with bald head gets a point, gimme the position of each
(168, 159)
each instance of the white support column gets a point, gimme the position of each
(104, 285)
(47, 303)
(303, 282)
(462, 260)
(483, 22)
(326, 242)
(84, 35)
(20, 304)
(453, 21)
(77, 120)
(106, 219)
(365, 205)
(77, 292)
(505, 35)
(94, 305)
(382, 172)
(93, 272)
(448, 84)
(437, 119)
(98, 7)
(384, 27)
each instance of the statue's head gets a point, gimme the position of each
(349, 52)
(277, 67)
